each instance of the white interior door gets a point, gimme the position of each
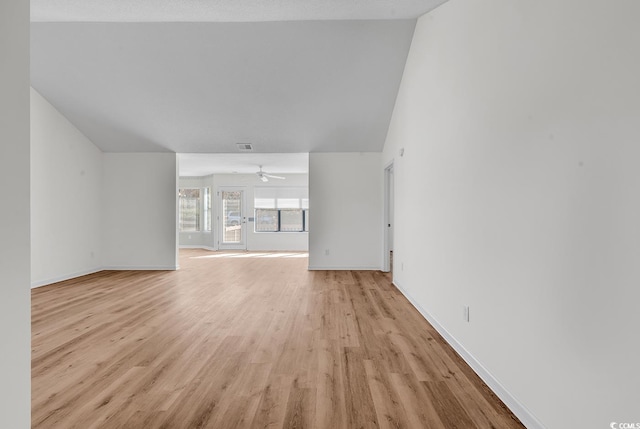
(232, 218)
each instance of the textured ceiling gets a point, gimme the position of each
(305, 86)
(225, 10)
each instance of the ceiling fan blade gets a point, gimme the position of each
(273, 177)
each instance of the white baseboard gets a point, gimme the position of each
(141, 267)
(525, 416)
(333, 268)
(197, 246)
(40, 283)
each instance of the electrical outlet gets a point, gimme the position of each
(465, 313)
(401, 266)
(326, 252)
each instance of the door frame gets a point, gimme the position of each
(243, 218)
(387, 227)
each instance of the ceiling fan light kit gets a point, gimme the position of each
(264, 176)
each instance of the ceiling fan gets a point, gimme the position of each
(264, 176)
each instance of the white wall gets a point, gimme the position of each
(92, 211)
(140, 211)
(15, 308)
(345, 211)
(256, 241)
(518, 196)
(66, 203)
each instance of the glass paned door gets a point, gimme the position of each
(233, 220)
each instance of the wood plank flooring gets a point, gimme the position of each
(246, 341)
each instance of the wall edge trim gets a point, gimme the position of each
(335, 268)
(526, 417)
(197, 246)
(57, 279)
(141, 268)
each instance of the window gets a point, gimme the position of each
(305, 216)
(281, 209)
(189, 210)
(194, 209)
(207, 209)
(266, 220)
(291, 220)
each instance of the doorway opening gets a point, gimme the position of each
(387, 265)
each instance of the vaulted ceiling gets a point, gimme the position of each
(225, 10)
(298, 76)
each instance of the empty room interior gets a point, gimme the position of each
(329, 214)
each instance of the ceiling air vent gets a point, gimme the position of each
(244, 147)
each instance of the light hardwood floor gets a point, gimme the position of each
(246, 341)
